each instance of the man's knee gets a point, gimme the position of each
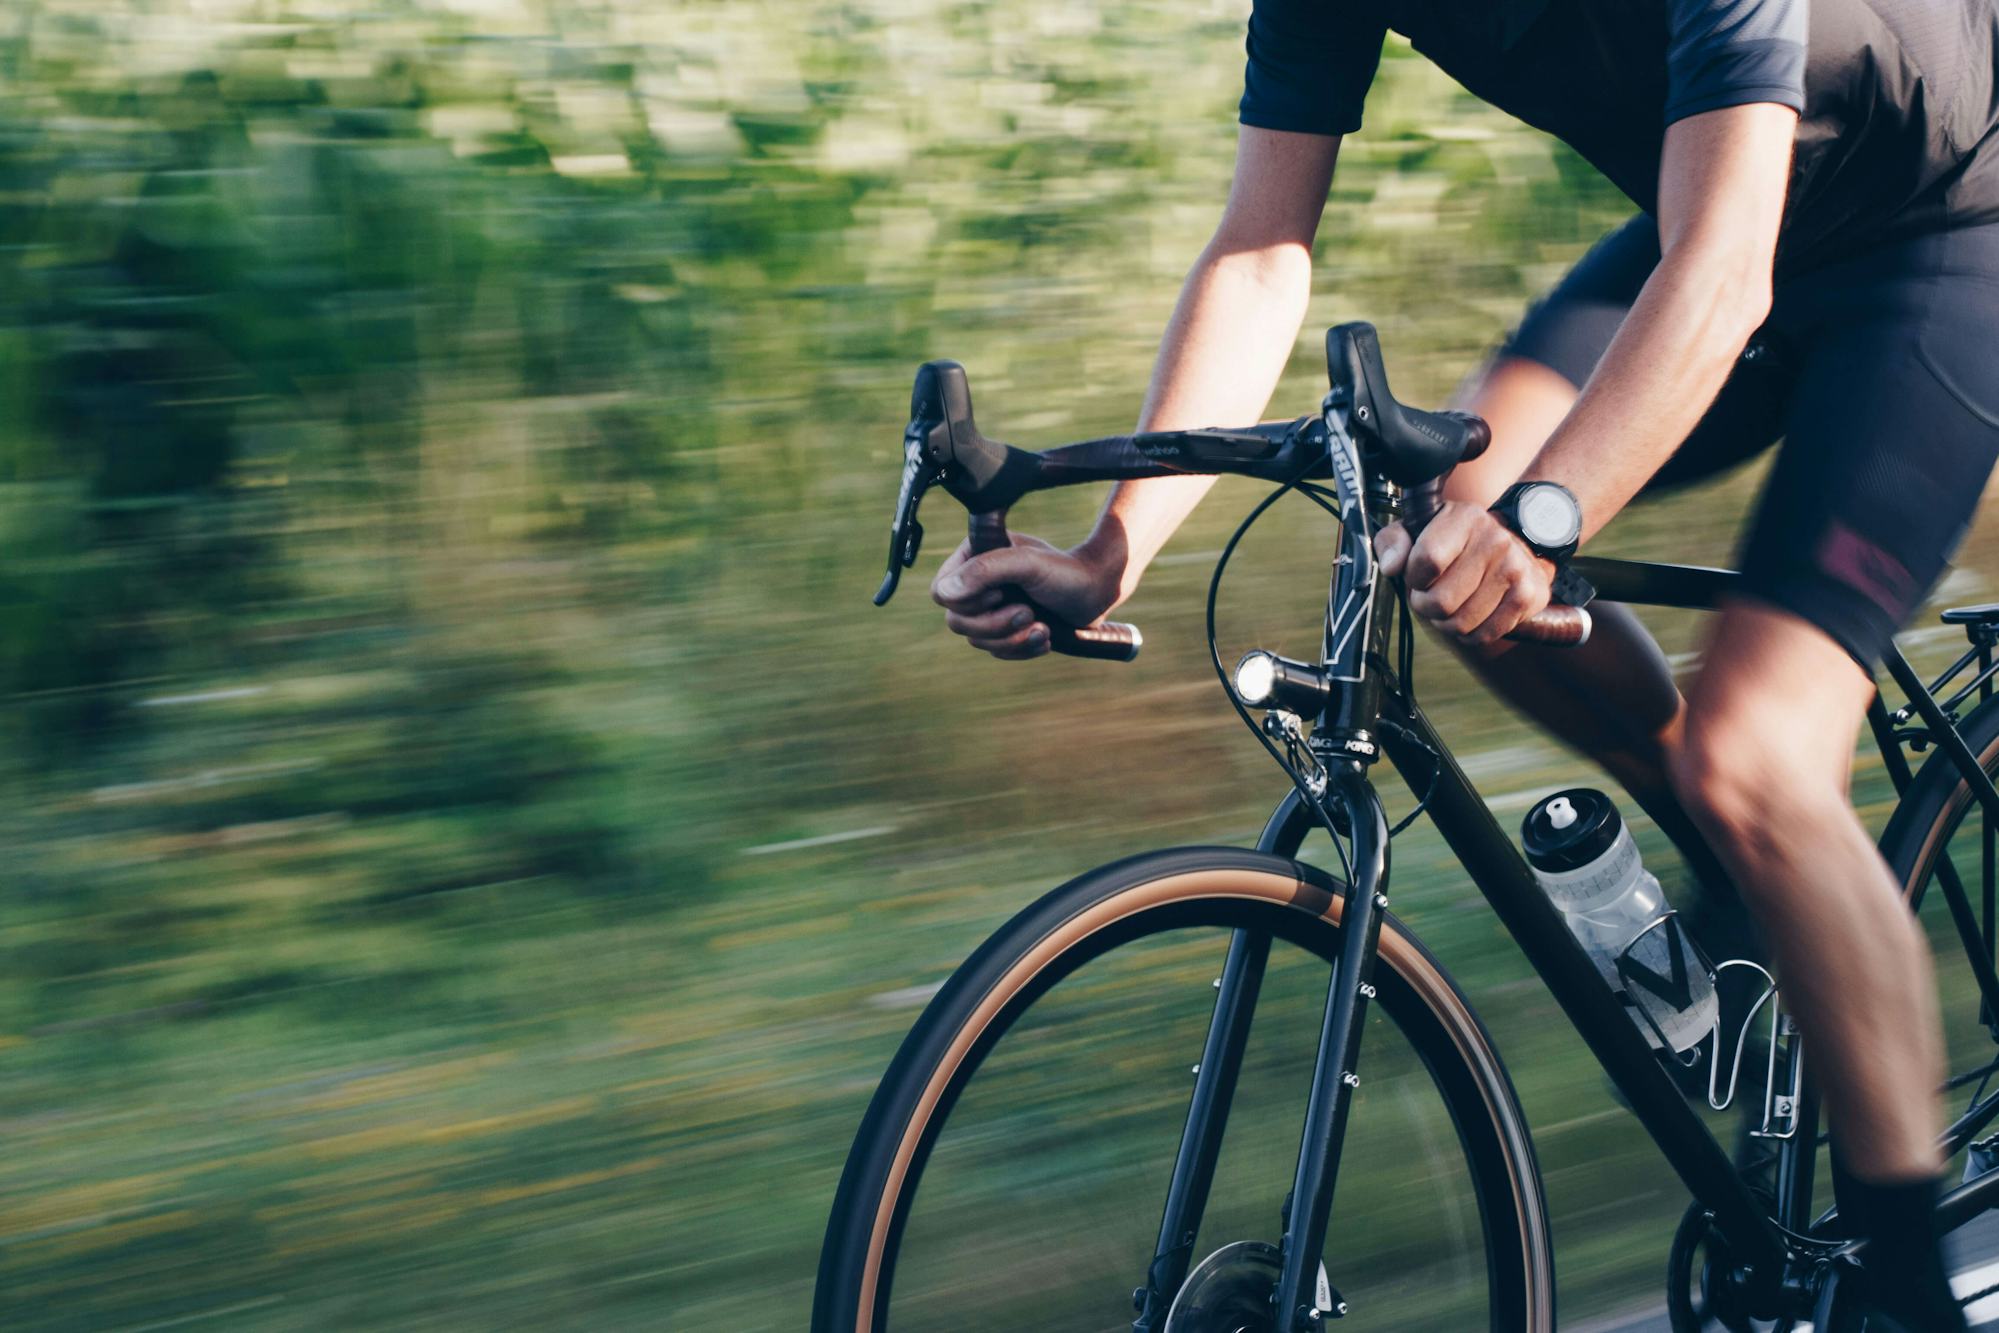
(1747, 788)
(1716, 780)
(1770, 726)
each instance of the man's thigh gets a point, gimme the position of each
(1892, 432)
(1776, 700)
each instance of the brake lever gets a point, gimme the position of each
(905, 534)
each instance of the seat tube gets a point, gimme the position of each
(1334, 1074)
(1797, 1161)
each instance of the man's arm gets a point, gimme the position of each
(1721, 198)
(1231, 333)
(1722, 180)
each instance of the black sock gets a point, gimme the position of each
(1904, 1275)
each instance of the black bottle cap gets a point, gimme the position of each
(1579, 840)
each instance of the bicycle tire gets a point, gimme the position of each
(1936, 798)
(1926, 819)
(1123, 902)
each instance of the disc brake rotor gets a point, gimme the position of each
(1228, 1292)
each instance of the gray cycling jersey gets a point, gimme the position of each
(1898, 98)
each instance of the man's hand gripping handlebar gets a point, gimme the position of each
(942, 445)
(1557, 626)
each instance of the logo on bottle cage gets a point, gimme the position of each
(1675, 988)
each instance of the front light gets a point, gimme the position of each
(1265, 680)
(1256, 678)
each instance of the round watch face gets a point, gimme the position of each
(1548, 516)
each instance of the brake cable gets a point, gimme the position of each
(1310, 786)
(1402, 687)
(1299, 780)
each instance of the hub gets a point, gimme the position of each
(1230, 1291)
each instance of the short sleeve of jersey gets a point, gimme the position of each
(1310, 64)
(1732, 52)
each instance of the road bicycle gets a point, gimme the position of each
(1027, 1163)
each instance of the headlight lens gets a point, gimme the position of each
(1256, 678)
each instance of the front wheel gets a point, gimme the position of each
(1010, 1171)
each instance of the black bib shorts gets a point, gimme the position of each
(1880, 374)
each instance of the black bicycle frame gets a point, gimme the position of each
(1365, 716)
(1364, 713)
(1354, 720)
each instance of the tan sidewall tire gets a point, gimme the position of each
(1044, 942)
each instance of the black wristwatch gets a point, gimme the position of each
(1547, 517)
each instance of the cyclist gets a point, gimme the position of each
(1816, 257)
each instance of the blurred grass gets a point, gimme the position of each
(466, 834)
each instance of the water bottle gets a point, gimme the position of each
(1589, 867)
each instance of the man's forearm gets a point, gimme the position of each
(1656, 379)
(1224, 349)
(1722, 178)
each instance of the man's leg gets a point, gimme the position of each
(1771, 726)
(1614, 699)
(1770, 729)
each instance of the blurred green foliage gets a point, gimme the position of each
(432, 342)
(458, 804)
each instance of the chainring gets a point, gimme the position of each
(1696, 1241)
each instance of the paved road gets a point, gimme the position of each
(1974, 1254)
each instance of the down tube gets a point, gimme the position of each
(1503, 876)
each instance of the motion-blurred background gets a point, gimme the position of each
(469, 845)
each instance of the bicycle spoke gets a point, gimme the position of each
(1969, 991)
(1965, 1128)
(1969, 935)
(1983, 1073)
